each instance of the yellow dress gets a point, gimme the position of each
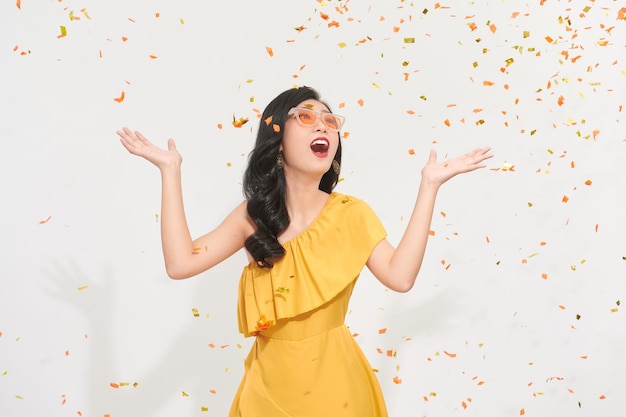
(304, 361)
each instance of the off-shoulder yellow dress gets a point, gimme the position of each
(304, 361)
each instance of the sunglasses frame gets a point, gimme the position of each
(318, 116)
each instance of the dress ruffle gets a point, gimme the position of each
(319, 263)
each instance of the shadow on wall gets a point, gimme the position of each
(185, 369)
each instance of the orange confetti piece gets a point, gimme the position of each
(452, 355)
(561, 100)
(621, 13)
(268, 120)
(276, 128)
(562, 307)
(548, 39)
(492, 28)
(238, 123)
(446, 122)
(152, 56)
(397, 380)
(565, 199)
(522, 412)
(472, 26)
(382, 331)
(487, 83)
(269, 50)
(588, 182)
(361, 102)
(18, 3)
(544, 276)
(45, 221)
(120, 98)
(114, 385)
(411, 151)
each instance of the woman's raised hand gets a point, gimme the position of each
(139, 145)
(438, 173)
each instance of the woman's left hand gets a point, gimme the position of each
(439, 172)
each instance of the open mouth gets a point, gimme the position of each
(320, 147)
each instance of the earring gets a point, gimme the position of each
(280, 160)
(336, 167)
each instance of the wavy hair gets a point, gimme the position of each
(264, 183)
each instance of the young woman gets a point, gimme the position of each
(306, 246)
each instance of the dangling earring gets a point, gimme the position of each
(280, 160)
(336, 167)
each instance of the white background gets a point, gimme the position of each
(517, 310)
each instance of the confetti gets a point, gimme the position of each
(120, 98)
(238, 123)
(46, 220)
(63, 32)
(269, 50)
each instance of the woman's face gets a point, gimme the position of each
(309, 149)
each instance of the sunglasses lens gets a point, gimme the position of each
(307, 117)
(331, 121)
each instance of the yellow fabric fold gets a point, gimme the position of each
(319, 263)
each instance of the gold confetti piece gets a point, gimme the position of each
(409, 40)
(195, 312)
(342, 44)
(63, 32)
(84, 287)
(204, 409)
(182, 21)
(185, 394)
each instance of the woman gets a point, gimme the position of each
(306, 247)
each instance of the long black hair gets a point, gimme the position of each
(264, 183)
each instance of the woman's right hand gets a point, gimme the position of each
(139, 145)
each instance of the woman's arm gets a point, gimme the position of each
(183, 256)
(397, 268)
